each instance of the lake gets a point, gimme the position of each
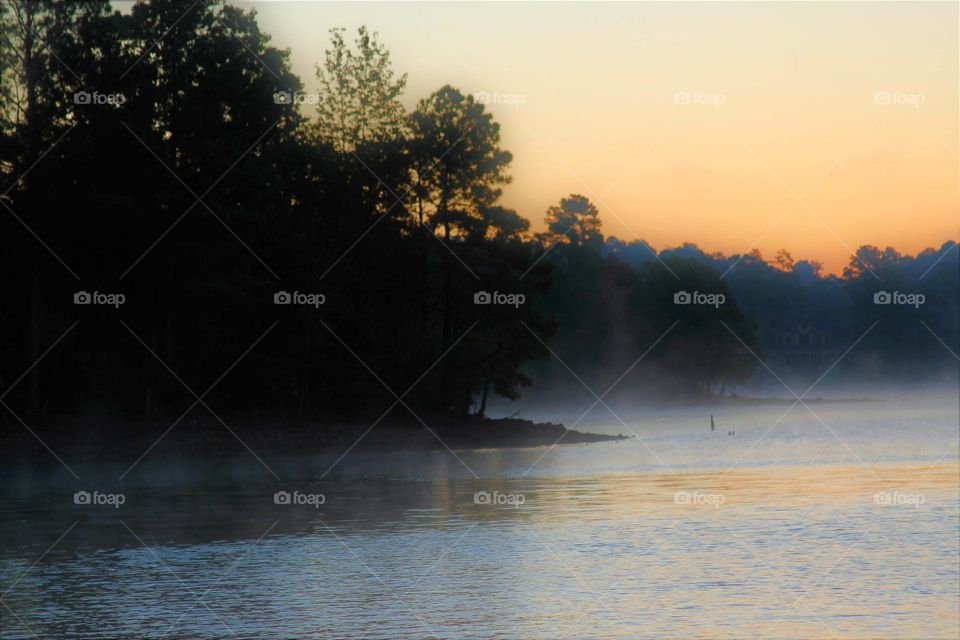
(840, 523)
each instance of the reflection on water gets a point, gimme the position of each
(793, 535)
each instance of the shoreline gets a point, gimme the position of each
(92, 440)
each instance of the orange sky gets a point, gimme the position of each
(815, 127)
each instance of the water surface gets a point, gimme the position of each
(843, 523)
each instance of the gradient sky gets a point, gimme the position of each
(800, 114)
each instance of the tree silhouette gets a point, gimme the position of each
(458, 165)
(202, 192)
(359, 98)
(575, 221)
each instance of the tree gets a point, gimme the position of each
(37, 90)
(576, 222)
(458, 166)
(359, 97)
(700, 352)
(783, 260)
(287, 208)
(869, 258)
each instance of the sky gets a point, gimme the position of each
(814, 127)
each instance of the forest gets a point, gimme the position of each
(312, 247)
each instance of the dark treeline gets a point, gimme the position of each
(169, 155)
(806, 321)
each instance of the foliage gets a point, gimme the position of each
(200, 196)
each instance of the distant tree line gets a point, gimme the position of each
(169, 155)
(914, 338)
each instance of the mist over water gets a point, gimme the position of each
(840, 522)
(280, 360)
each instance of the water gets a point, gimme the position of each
(840, 524)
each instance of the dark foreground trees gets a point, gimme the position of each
(168, 157)
(306, 253)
